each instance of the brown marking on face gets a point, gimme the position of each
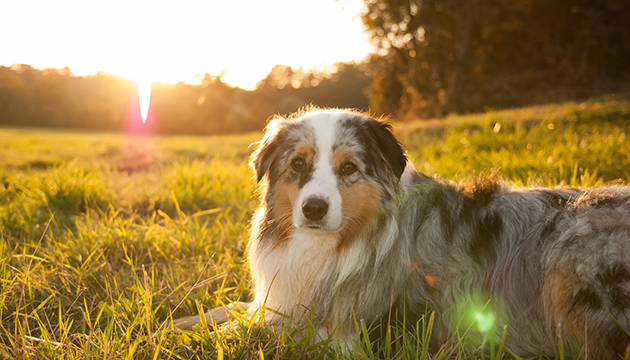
(359, 203)
(284, 196)
(341, 156)
(305, 150)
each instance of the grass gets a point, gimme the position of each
(103, 237)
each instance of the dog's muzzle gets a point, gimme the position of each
(314, 209)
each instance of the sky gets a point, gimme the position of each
(174, 41)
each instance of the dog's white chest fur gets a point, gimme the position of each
(296, 270)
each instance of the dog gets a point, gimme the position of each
(347, 230)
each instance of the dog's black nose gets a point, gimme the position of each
(314, 209)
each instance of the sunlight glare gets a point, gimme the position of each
(174, 41)
(144, 97)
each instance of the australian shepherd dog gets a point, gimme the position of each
(348, 230)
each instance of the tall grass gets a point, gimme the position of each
(104, 237)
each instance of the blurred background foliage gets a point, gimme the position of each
(443, 56)
(433, 58)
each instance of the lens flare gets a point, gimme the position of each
(144, 97)
(484, 320)
(479, 312)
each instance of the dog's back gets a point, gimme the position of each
(552, 264)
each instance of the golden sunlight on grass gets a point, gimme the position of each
(103, 236)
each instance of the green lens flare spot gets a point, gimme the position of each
(477, 314)
(484, 320)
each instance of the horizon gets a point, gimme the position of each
(240, 42)
(15, 67)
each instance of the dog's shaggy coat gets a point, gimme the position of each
(348, 230)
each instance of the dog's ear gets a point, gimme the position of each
(264, 156)
(390, 149)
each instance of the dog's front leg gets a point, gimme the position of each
(338, 335)
(218, 316)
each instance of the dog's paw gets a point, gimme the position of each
(187, 323)
(216, 316)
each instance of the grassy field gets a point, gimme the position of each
(103, 237)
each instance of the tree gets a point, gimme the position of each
(461, 55)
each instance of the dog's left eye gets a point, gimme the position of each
(348, 168)
(297, 164)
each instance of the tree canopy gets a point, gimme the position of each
(440, 56)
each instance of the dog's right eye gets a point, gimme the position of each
(297, 164)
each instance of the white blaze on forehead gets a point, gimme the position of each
(324, 125)
(323, 182)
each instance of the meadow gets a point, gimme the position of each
(103, 237)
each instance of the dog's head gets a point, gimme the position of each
(328, 170)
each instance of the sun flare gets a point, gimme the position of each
(144, 97)
(178, 41)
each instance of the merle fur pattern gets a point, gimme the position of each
(549, 262)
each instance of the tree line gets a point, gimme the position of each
(433, 57)
(57, 98)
